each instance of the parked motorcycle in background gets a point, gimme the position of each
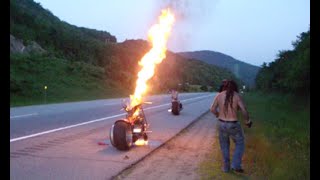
(176, 105)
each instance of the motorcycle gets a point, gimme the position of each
(125, 132)
(176, 105)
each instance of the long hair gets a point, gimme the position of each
(230, 88)
(223, 85)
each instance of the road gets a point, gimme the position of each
(181, 156)
(70, 140)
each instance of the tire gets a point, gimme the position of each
(111, 136)
(122, 135)
(175, 108)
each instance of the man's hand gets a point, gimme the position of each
(249, 124)
(217, 114)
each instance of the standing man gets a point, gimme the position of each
(225, 107)
(174, 94)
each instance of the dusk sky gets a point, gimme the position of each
(252, 31)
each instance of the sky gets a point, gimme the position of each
(252, 31)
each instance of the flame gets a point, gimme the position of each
(158, 35)
(136, 113)
(141, 142)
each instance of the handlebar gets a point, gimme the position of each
(125, 107)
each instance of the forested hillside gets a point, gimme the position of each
(30, 22)
(290, 71)
(77, 63)
(173, 70)
(244, 71)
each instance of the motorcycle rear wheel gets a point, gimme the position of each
(122, 135)
(175, 109)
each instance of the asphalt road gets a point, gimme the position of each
(71, 140)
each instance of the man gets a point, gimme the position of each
(174, 94)
(225, 107)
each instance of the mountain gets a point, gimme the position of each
(244, 71)
(30, 22)
(77, 63)
(174, 69)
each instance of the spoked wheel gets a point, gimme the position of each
(122, 135)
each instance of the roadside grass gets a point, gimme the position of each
(66, 81)
(68, 95)
(277, 145)
(194, 88)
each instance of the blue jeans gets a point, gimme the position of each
(234, 131)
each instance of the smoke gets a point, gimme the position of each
(189, 10)
(192, 16)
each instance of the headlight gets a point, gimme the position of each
(137, 130)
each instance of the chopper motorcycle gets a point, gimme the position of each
(125, 132)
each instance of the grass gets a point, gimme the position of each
(66, 81)
(278, 144)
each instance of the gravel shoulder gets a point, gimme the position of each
(179, 158)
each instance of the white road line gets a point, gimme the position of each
(195, 98)
(89, 122)
(153, 107)
(110, 104)
(24, 115)
(62, 128)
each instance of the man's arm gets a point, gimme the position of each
(244, 111)
(214, 106)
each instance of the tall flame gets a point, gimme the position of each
(158, 35)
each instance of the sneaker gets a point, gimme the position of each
(225, 169)
(238, 170)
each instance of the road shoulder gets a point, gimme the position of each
(180, 157)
